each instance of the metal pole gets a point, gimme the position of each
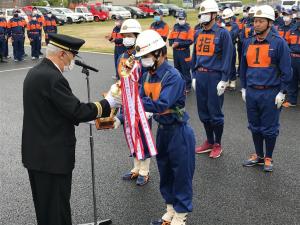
(103, 222)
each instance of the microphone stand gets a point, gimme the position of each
(107, 221)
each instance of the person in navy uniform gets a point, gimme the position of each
(163, 94)
(212, 55)
(265, 75)
(117, 38)
(34, 33)
(49, 26)
(293, 41)
(159, 25)
(48, 137)
(233, 29)
(16, 31)
(180, 39)
(3, 35)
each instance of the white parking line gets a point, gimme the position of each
(23, 68)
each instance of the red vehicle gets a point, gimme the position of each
(98, 12)
(145, 7)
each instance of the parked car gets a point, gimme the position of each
(136, 12)
(98, 11)
(83, 11)
(145, 7)
(60, 18)
(162, 7)
(72, 17)
(173, 9)
(114, 11)
(8, 13)
(236, 6)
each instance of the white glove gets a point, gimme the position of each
(148, 115)
(114, 102)
(194, 84)
(280, 97)
(117, 122)
(221, 87)
(243, 94)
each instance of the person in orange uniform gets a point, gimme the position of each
(180, 39)
(16, 31)
(34, 33)
(117, 38)
(284, 31)
(159, 25)
(49, 26)
(3, 33)
(40, 20)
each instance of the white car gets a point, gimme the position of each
(236, 6)
(8, 13)
(72, 17)
(287, 4)
(161, 7)
(114, 11)
(83, 11)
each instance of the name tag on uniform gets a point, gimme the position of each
(205, 45)
(258, 55)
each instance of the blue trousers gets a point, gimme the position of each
(176, 165)
(263, 115)
(182, 62)
(293, 87)
(2, 46)
(209, 104)
(35, 46)
(18, 46)
(119, 50)
(232, 75)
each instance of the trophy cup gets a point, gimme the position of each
(108, 122)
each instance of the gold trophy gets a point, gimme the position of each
(108, 122)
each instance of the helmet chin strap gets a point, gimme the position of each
(156, 55)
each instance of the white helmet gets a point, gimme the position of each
(208, 6)
(130, 26)
(148, 41)
(227, 13)
(265, 11)
(252, 10)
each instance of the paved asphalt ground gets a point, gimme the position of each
(225, 193)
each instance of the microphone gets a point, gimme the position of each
(82, 64)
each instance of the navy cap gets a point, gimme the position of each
(159, 12)
(287, 11)
(66, 42)
(181, 14)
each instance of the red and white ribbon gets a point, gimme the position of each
(134, 114)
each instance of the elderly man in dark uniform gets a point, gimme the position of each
(48, 140)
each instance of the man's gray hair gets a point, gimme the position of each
(52, 50)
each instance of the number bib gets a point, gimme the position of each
(205, 45)
(258, 55)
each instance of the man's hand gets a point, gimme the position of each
(243, 94)
(194, 84)
(114, 101)
(280, 97)
(175, 45)
(221, 87)
(117, 123)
